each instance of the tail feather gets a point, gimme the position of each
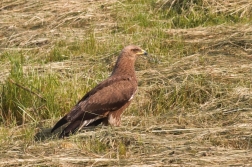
(61, 122)
(71, 128)
(74, 125)
(97, 122)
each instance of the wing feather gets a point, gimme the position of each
(109, 95)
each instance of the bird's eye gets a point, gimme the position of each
(135, 50)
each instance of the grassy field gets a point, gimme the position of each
(194, 102)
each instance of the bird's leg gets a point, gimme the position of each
(105, 121)
(114, 120)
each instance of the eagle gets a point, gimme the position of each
(106, 102)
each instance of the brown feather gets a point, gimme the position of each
(107, 101)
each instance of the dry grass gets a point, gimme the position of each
(193, 106)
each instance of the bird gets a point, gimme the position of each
(106, 102)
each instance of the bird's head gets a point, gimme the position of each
(133, 51)
(126, 60)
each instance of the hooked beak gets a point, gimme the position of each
(142, 52)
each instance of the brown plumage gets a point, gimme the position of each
(106, 102)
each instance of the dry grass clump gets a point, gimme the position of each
(186, 14)
(193, 105)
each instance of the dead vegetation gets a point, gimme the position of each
(193, 106)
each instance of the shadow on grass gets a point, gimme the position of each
(45, 133)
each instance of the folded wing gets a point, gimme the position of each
(109, 96)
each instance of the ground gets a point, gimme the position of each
(193, 106)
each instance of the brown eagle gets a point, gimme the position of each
(106, 102)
